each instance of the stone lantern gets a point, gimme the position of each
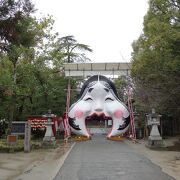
(49, 135)
(155, 139)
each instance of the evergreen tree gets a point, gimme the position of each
(156, 58)
(72, 50)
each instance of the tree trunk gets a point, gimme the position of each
(13, 98)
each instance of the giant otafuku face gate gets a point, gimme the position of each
(98, 97)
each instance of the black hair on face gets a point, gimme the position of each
(102, 79)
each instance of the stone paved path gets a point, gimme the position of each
(101, 159)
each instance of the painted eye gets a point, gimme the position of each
(109, 99)
(88, 99)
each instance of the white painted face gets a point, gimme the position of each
(98, 99)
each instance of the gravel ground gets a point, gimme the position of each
(169, 161)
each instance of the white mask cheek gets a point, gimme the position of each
(118, 112)
(111, 107)
(83, 106)
(114, 106)
(79, 112)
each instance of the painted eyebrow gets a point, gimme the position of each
(90, 89)
(107, 90)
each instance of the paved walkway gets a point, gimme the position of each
(100, 159)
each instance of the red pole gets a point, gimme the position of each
(66, 124)
(133, 131)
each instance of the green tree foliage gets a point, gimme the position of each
(15, 36)
(156, 58)
(123, 85)
(40, 90)
(27, 84)
(30, 77)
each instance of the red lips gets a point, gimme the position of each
(97, 115)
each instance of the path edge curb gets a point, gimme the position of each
(62, 159)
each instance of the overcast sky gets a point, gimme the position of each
(108, 26)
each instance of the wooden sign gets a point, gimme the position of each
(18, 128)
(27, 137)
(12, 139)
